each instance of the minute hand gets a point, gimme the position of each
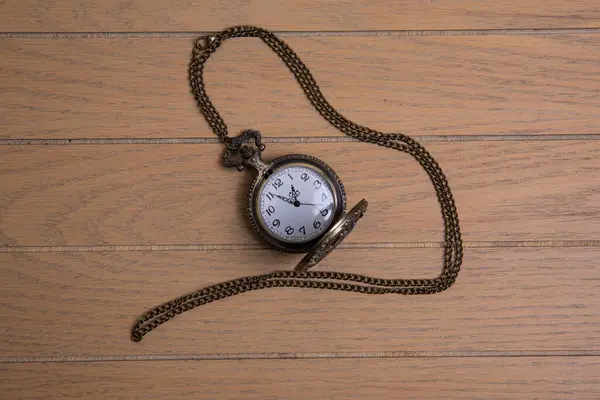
(309, 204)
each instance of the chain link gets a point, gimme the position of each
(453, 248)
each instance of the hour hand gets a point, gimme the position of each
(291, 201)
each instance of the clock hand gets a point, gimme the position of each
(294, 193)
(290, 201)
(294, 197)
(309, 204)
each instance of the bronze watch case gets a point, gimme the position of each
(342, 223)
(296, 160)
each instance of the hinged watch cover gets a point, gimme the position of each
(338, 232)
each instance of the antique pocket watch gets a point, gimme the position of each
(297, 203)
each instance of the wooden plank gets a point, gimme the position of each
(84, 304)
(453, 378)
(465, 85)
(114, 15)
(180, 194)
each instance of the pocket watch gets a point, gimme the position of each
(297, 203)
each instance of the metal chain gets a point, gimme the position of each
(453, 249)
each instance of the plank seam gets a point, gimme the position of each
(333, 33)
(300, 356)
(233, 247)
(299, 139)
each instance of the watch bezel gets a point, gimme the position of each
(253, 210)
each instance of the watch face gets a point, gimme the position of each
(297, 203)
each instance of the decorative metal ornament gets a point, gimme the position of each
(297, 202)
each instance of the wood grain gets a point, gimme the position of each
(491, 378)
(466, 85)
(115, 15)
(180, 194)
(117, 70)
(84, 304)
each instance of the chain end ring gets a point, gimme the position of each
(204, 42)
(136, 336)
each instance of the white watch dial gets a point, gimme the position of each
(296, 203)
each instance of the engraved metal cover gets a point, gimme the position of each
(333, 238)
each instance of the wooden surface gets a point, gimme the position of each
(113, 200)
(512, 299)
(190, 15)
(547, 378)
(442, 85)
(124, 194)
